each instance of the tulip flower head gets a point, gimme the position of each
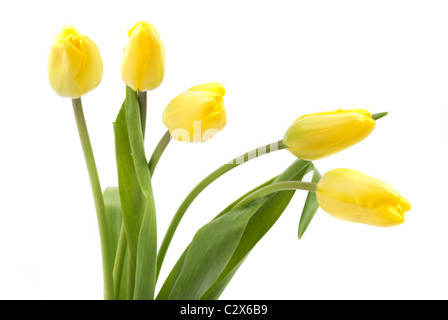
(319, 135)
(74, 64)
(353, 196)
(143, 62)
(198, 114)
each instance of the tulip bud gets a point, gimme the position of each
(353, 196)
(143, 62)
(197, 114)
(319, 135)
(74, 64)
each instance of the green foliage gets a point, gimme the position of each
(311, 205)
(218, 248)
(137, 202)
(113, 217)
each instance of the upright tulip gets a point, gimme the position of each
(319, 135)
(74, 64)
(353, 196)
(197, 114)
(143, 63)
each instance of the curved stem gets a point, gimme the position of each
(143, 102)
(234, 203)
(130, 283)
(202, 185)
(119, 260)
(275, 187)
(109, 293)
(158, 151)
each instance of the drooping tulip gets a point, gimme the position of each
(354, 196)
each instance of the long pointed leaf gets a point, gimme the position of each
(310, 207)
(123, 294)
(137, 200)
(259, 225)
(113, 216)
(146, 263)
(219, 248)
(131, 196)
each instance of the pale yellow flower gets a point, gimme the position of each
(353, 196)
(74, 64)
(319, 135)
(196, 115)
(143, 62)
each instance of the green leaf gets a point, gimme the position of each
(311, 205)
(113, 217)
(132, 198)
(146, 263)
(234, 203)
(260, 223)
(137, 199)
(123, 290)
(174, 273)
(209, 253)
(136, 142)
(219, 248)
(145, 273)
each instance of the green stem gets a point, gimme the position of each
(98, 199)
(234, 203)
(275, 187)
(130, 280)
(379, 115)
(201, 186)
(143, 102)
(119, 260)
(158, 151)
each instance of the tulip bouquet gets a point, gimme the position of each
(126, 213)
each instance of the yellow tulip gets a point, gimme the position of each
(319, 135)
(198, 114)
(353, 196)
(74, 64)
(143, 62)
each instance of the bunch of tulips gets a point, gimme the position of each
(126, 213)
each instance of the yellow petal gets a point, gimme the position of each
(404, 204)
(74, 64)
(320, 135)
(195, 116)
(91, 71)
(353, 196)
(215, 87)
(143, 62)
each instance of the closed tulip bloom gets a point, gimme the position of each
(319, 135)
(353, 196)
(197, 114)
(74, 64)
(143, 62)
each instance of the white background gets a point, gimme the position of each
(278, 61)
